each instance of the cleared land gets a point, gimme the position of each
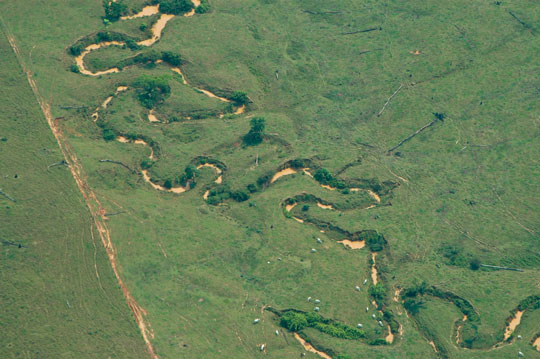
(59, 295)
(424, 114)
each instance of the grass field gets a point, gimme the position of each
(339, 83)
(59, 296)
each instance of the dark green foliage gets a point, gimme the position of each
(76, 49)
(103, 36)
(167, 184)
(189, 175)
(74, 68)
(239, 196)
(252, 188)
(305, 207)
(296, 321)
(175, 7)
(109, 135)
(413, 306)
(475, 264)
(152, 90)
(532, 302)
(132, 44)
(375, 241)
(114, 9)
(143, 27)
(204, 7)
(439, 116)
(256, 133)
(323, 176)
(378, 292)
(171, 58)
(240, 98)
(146, 163)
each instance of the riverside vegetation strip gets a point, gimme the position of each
(201, 271)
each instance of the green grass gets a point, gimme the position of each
(60, 298)
(202, 271)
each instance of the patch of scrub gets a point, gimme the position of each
(310, 347)
(283, 172)
(353, 244)
(513, 324)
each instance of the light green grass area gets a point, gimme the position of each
(60, 298)
(463, 189)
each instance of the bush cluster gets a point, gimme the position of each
(296, 321)
(152, 90)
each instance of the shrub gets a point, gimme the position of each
(294, 321)
(143, 27)
(378, 292)
(374, 240)
(204, 7)
(252, 188)
(171, 58)
(152, 90)
(103, 36)
(114, 9)
(109, 135)
(256, 132)
(475, 264)
(175, 7)
(167, 184)
(240, 98)
(305, 208)
(146, 163)
(413, 306)
(76, 49)
(74, 68)
(132, 44)
(239, 196)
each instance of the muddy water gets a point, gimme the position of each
(157, 29)
(105, 103)
(289, 207)
(327, 187)
(206, 194)
(161, 188)
(240, 110)
(152, 117)
(373, 269)
(146, 11)
(179, 72)
(513, 324)
(306, 171)
(284, 172)
(79, 60)
(137, 142)
(396, 295)
(353, 244)
(216, 168)
(390, 337)
(298, 220)
(310, 348)
(375, 196)
(536, 344)
(324, 206)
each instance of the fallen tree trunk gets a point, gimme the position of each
(503, 268)
(7, 195)
(118, 163)
(361, 31)
(414, 134)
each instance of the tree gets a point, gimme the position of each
(167, 184)
(256, 133)
(240, 98)
(203, 7)
(114, 9)
(152, 90)
(475, 264)
(171, 58)
(378, 292)
(294, 321)
(175, 7)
